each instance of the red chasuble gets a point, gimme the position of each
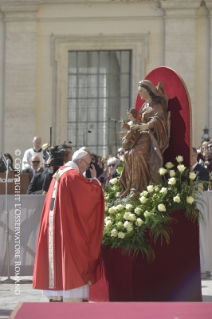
(71, 229)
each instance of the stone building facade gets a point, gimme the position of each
(36, 37)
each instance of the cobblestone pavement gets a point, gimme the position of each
(9, 300)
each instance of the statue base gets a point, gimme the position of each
(174, 275)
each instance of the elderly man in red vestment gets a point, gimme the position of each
(71, 228)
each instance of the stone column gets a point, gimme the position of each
(209, 6)
(20, 75)
(2, 61)
(201, 113)
(180, 40)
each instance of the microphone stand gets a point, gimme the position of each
(115, 121)
(8, 280)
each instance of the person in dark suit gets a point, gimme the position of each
(201, 172)
(39, 183)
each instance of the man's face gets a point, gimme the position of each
(193, 159)
(120, 153)
(84, 163)
(35, 162)
(69, 156)
(111, 168)
(37, 143)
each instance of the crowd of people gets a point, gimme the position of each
(34, 163)
(106, 166)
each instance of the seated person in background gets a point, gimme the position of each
(208, 163)
(35, 150)
(35, 166)
(111, 163)
(105, 169)
(203, 155)
(3, 167)
(201, 172)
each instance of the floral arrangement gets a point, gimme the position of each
(131, 221)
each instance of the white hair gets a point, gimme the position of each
(112, 160)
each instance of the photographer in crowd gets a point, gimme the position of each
(54, 157)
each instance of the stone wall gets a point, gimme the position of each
(35, 37)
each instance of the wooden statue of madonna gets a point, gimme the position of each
(146, 140)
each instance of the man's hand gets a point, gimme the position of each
(93, 171)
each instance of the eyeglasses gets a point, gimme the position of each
(37, 162)
(112, 165)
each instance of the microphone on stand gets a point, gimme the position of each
(8, 166)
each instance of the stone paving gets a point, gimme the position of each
(9, 300)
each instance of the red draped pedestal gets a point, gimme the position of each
(174, 275)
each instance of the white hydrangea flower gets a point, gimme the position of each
(114, 232)
(138, 211)
(113, 181)
(139, 222)
(126, 215)
(162, 171)
(108, 223)
(189, 199)
(172, 181)
(129, 207)
(143, 200)
(107, 218)
(144, 193)
(163, 190)
(120, 207)
(128, 226)
(161, 208)
(120, 224)
(147, 214)
(181, 168)
(112, 210)
(117, 194)
(172, 173)
(179, 159)
(156, 188)
(169, 165)
(132, 217)
(150, 188)
(192, 175)
(176, 199)
(106, 208)
(121, 235)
